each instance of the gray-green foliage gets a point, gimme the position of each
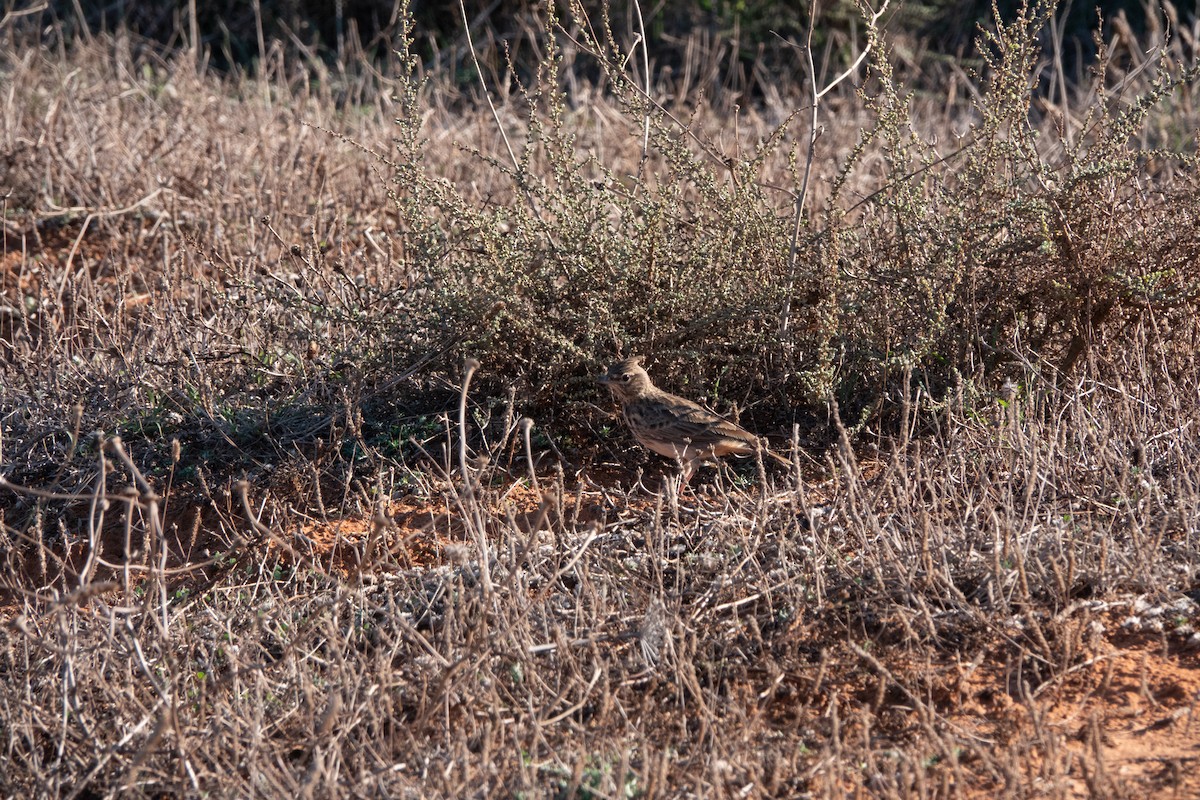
(1030, 242)
(1024, 240)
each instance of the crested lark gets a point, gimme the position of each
(674, 426)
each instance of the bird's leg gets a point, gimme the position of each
(688, 469)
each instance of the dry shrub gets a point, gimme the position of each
(1033, 236)
(1032, 242)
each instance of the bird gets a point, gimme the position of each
(674, 426)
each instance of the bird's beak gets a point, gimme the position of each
(604, 379)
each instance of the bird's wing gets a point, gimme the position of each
(702, 426)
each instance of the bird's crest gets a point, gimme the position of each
(625, 364)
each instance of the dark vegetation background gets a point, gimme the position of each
(759, 34)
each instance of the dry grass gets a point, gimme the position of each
(252, 546)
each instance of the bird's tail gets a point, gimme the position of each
(762, 446)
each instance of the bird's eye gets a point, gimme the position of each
(626, 378)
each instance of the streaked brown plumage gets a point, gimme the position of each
(674, 426)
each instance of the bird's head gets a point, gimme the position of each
(627, 379)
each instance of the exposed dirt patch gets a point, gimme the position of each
(1122, 721)
(1135, 708)
(422, 532)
